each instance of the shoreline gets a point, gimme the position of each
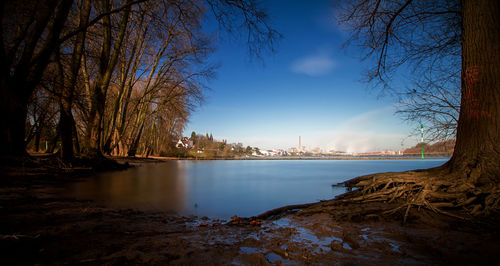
(295, 158)
(42, 228)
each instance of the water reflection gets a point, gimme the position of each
(225, 188)
(151, 187)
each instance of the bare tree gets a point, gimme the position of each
(109, 51)
(72, 49)
(423, 38)
(433, 101)
(28, 37)
(31, 32)
(42, 118)
(66, 121)
(165, 52)
(160, 68)
(422, 34)
(245, 19)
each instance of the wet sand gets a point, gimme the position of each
(40, 227)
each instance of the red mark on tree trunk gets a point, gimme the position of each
(472, 104)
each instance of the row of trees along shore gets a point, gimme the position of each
(110, 77)
(442, 148)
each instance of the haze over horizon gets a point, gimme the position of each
(309, 87)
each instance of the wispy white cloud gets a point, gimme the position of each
(314, 65)
(364, 141)
(366, 132)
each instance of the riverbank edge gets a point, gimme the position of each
(294, 158)
(26, 240)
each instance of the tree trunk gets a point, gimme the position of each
(38, 135)
(477, 150)
(108, 61)
(66, 130)
(125, 88)
(132, 151)
(12, 122)
(75, 136)
(67, 122)
(53, 142)
(93, 136)
(14, 97)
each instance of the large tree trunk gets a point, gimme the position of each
(66, 129)
(132, 151)
(38, 135)
(75, 137)
(94, 130)
(13, 107)
(67, 122)
(477, 150)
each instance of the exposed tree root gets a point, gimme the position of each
(434, 189)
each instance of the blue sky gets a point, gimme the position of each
(309, 87)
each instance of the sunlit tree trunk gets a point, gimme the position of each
(107, 62)
(477, 150)
(132, 151)
(128, 71)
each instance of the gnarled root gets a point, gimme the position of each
(433, 189)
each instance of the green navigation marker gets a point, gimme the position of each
(422, 130)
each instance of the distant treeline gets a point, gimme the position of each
(442, 148)
(206, 147)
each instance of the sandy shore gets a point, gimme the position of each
(39, 227)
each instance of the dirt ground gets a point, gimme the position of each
(39, 227)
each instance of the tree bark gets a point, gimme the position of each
(129, 70)
(477, 150)
(38, 135)
(66, 131)
(132, 151)
(14, 110)
(108, 60)
(67, 122)
(75, 136)
(53, 142)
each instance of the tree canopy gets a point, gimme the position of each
(418, 42)
(112, 77)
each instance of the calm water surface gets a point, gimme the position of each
(225, 188)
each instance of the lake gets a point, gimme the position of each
(223, 188)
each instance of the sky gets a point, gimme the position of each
(309, 87)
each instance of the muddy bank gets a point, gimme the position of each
(40, 227)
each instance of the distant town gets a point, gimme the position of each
(205, 146)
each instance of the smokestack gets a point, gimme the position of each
(300, 144)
